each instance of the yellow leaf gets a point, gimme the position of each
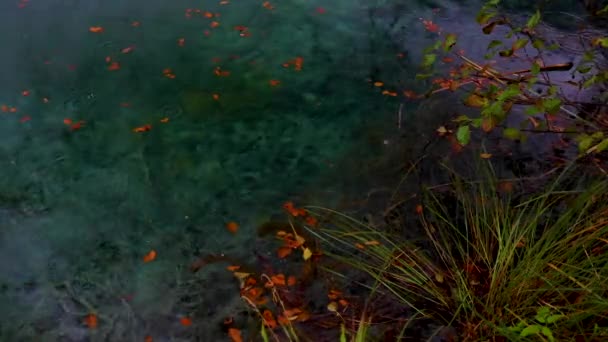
(475, 101)
(485, 155)
(333, 307)
(441, 130)
(307, 254)
(241, 275)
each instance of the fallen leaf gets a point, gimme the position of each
(233, 268)
(216, 97)
(372, 243)
(114, 66)
(232, 227)
(150, 256)
(485, 155)
(96, 29)
(274, 83)
(91, 321)
(332, 306)
(283, 252)
(378, 84)
(164, 120)
(143, 128)
(185, 321)
(306, 254)
(267, 5)
(235, 335)
(181, 42)
(419, 209)
(269, 320)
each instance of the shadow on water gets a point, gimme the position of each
(266, 105)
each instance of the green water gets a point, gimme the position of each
(80, 208)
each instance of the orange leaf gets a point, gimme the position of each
(148, 338)
(114, 66)
(214, 24)
(372, 243)
(216, 97)
(419, 209)
(235, 335)
(232, 227)
(269, 319)
(278, 279)
(91, 321)
(150, 256)
(233, 268)
(283, 252)
(378, 84)
(359, 246)
(334, 294)
(291, 280)
(185, 321)
(267, 5)
(311, 221)
(274, 83)
(143, 128)
(96, 29)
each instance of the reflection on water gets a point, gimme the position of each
(140, 126)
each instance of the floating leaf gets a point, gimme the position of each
(485, 155)
(232, 227)
(150, 256)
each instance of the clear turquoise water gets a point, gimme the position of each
(81, 207)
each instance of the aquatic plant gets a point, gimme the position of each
(491, 264)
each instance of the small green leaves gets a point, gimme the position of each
(476, 101)
(511, 133)
(488, 28)
(533, 21)
(603, 42)
(428, 60)
(551, 105)
(450, 41)
(520, 43)
(530, 330)
(463, 135)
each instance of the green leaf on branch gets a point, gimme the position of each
(603, 42)
(584, 142)
(494, 44)
(476, 101)
(450, 41)
(530, 330)
(509, 93)
(520, 43)
(506, 53)
(551, 105)
(428, 60)
(463, 135)
(488, 28)
(534, 20)
(511, 133)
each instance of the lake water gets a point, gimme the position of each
(143, 126)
